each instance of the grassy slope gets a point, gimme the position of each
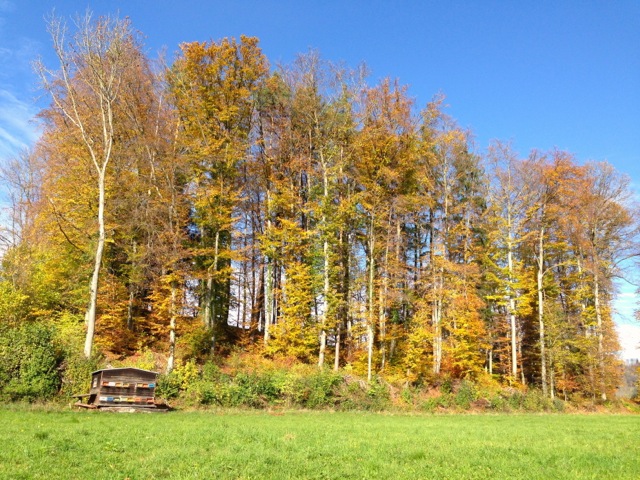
(95, 445)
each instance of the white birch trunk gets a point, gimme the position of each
(512, 302)
(325, 253)
(90, 316)
(370, 327)
(543, 355)
(172, 332)
(596, 301)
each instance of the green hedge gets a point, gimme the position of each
(29, 363)
(304, 387)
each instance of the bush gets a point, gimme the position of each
(196, 345)
(76, 376)
(498, 403)
(180, 379)
(169, 386)
(535, 401)
(28, 363)
(201, 392)
(211, 371)
(445, 400)
(267, 385)
(355, 394)
(465, 395)
(76, 369)
(253, 382)
(558, 405)
(408, 396)
(144, 359)
(317, 390)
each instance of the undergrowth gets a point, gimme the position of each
(246, 381)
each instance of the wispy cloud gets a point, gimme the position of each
(624, 310)
(16, 59)
(629, 336)
(17, 128)
(625, 302)
(17, 86)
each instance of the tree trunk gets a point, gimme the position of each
(552, 377)
(131, 292)
(90, 316)
(370, 326)
(543, 355)
(512, 304)
(436, 309)
(212, 282)
(490, 360)
(336, 359)
(325, 253)
(268, 281)
(437, 332)
(268, 299)
(346, 290)
(382, 303)
(596, 301)
(323, 321)
(172, 331)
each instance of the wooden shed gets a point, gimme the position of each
(121, 387)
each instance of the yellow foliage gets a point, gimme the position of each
(295, 334)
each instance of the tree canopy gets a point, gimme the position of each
(298, 211)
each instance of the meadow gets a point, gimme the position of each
(53, 443)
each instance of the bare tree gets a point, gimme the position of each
(20, 177)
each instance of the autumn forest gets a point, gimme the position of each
(218, 203)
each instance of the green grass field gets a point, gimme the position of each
(316, 445)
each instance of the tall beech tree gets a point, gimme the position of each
(383, 155)
(604, 234)
(86, 93)
(213, 87)
(509, 196)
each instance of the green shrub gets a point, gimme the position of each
(515, 400)
(211, 371)
(201, 392)
(499, 403)
(169, 386)
(196, 345)
(408, 395)
(535, 401)
(357, 395)
(446, 386)
(318, 389)
(379, 396)
(265, 386)
(244, 389)
(179, 380)
(28, 363)
(446, 400)
(465, 395)
(76, 374)
(558, 405)
(76, 369)
(431, 404)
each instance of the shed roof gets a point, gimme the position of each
(123, 369)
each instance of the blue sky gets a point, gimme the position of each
(541, 74)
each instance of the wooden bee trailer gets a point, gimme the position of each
(121, 387)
